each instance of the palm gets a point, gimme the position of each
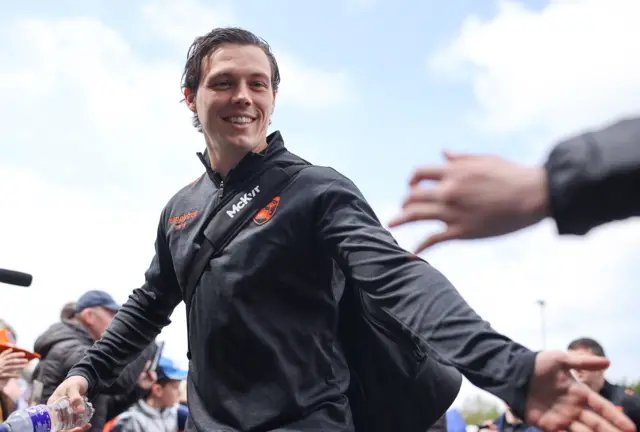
(557, 401)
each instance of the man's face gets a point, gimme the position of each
(97, 320)
(235, 98)
(593, 379)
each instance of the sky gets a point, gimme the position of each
(94, 140)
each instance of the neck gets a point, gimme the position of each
(153, 403)
(223, 158)
(598, 386)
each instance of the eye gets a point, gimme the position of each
(221, 84)
(258, 84)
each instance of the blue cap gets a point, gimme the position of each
(166, 370)
(94, 299)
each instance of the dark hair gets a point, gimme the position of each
(587, 343)
(205, 45)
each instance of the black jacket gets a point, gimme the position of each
(63, 345)
(593, 178)
(624, 398)
(264, 319)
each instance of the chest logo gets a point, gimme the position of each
(265, 215)
(181, 221)
(243, 201)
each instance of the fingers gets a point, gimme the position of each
(579, 427)
(76, 401)
(585, 361)
(420, 195)
(449, 234)
(590, 421)
(605, 415)
(147, 365)
(430, 172)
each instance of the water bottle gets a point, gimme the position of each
(48, 418)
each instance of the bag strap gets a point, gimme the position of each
(230, 216)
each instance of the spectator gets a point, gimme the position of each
(158, 411)
(68, 311)
(65, 343)
(12, 361)
(587, 180)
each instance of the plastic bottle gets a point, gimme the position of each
(48, 418)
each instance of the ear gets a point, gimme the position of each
(190, 99)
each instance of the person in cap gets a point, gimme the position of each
(65, 343)
(13, 360)
(158, 411)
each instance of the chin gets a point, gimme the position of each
(244, 142)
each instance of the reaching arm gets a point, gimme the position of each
(592, 178)
(137, 323)
(406, 291)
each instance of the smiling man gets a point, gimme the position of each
(263, 311)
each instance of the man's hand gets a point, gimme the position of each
(556, 401)
(147, 378)
(476, 197)
(11, 363)
(74, 388)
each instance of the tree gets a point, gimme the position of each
(478, 409)
(635, 386)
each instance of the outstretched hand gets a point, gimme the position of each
(556, 401)
(476, 196)
(74, 388)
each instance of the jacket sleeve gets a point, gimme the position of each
(128, 379)
(137, 323)
(592, 178)
(409, 293)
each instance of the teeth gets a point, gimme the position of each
(239, 119)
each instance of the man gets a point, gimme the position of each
(587, 181)
(625, 399)
(262, 325)
(158, 410)
(64, 343)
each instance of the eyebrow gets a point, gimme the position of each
(224, 74)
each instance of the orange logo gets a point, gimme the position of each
(181, 221)
(629, 392)
(265, 215)
(619, 408)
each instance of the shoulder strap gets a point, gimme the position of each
(229, 218)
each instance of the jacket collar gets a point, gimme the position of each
(247, 165)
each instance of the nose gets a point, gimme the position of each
(241, 94)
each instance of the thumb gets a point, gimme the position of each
(75, 399)
(585, 362)
(436, 238)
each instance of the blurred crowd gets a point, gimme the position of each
(149, 395)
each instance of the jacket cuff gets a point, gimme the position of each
(524, 372)
(90, 375)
